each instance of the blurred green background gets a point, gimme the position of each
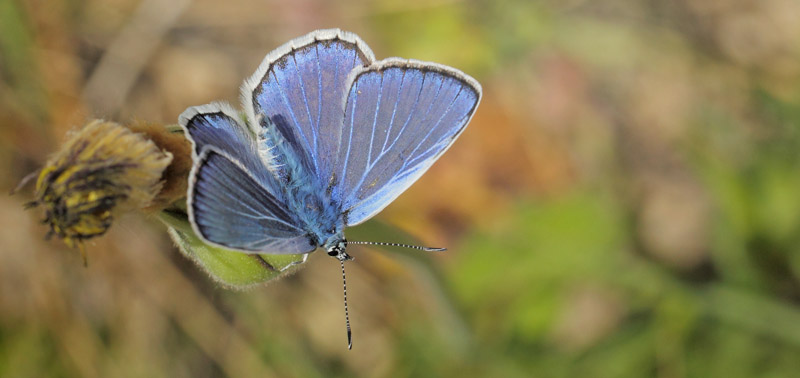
(624, 203)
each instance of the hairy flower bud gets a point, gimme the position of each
(102, 170)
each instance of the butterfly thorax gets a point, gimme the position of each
(323, 223)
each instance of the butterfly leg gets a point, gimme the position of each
(293, 263)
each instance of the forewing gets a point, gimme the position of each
(230, 208)
(299, 90)
(400, 116)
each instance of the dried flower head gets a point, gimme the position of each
(175, 177)
(102, 170)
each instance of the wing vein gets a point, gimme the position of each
(421, 156)
(255, 211)
(319, 99)
(368, 165)
(350, 135)
(308, 110)
(394, 113)
(410, 114)
(294, 117)
(438, 122)
(374, 123)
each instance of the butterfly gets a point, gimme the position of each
(328, 138)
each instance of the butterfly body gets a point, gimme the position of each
(315, 208)
(328, 138)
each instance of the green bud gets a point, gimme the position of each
(230, 268)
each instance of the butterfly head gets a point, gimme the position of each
(338, 248)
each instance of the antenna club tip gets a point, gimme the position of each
(349, 340)
(431, 249)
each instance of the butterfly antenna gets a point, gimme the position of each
(346, 315)
(426, 249)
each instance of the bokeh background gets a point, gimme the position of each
(624, 203)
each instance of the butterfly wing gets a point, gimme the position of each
(216, 125)
(233, 199)
(299, 89)
(361, 131)
(400, 116)
(230, 208)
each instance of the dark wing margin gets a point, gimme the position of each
(228, 207)
(400, 117)
(299, 88)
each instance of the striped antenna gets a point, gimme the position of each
(346, 315)
(426, 249)
(340, 254)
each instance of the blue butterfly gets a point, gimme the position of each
(329, 137)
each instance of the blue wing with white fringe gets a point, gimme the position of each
(400, 116)
(234, 201)
(300, 89)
